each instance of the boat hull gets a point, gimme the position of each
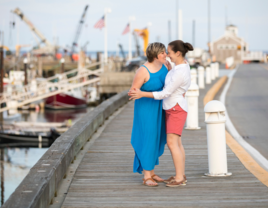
(64, 101)
(25, 138)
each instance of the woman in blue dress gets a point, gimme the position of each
(148, 133)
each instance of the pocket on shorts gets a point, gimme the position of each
(175, 109)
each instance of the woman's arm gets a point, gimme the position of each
(139, 78)
(175, 83)
(137, 94)
(168, 65)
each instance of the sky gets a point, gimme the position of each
(59, 18)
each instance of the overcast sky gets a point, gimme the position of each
(59, 18)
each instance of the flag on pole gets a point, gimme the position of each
(100, 24)
(126, 30)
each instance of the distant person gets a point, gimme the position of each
(177, 82)
(148, 133)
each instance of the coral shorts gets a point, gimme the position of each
(175, 120)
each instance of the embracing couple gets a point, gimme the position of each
(160, 111)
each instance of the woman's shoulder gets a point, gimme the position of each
(143, 68)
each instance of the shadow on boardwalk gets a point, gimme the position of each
(105, 179)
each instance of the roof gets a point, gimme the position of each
(231, 25)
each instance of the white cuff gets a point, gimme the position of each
(156, 95)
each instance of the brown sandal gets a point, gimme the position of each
(146, 184)
(171, 178)
(159, 181)
(174, 183)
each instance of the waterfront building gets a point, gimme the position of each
(229, 45)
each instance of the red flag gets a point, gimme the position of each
(126, 30)
(100, 24)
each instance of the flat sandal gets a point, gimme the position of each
(146, 184)
(174, 183)
(171, 178)
(156, 179)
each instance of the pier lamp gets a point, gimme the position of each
(25, 61)
(62, 60)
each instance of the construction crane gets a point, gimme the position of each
(8, 52)
(137, 43)
(18, 47)
(34, 29)
(144, 33)
(78, 31)
(49, 48)
(122, 51)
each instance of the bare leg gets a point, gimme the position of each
(177, 155)
(183, 153)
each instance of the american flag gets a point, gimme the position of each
(126, 30)
(100, 24)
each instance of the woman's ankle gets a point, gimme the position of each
(179, 178)
(148, 175)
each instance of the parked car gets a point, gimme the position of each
(135, 63)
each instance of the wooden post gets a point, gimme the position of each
(62, 65)
(40, 67)
(1, 69)
(25, 71)
(1, 78)
(2, 177)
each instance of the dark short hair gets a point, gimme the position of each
(153, 50)
(179, 45)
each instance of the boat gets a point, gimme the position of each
(69, 100)
(29, 136)
(73, 99)
(42, 126)
(10, 118)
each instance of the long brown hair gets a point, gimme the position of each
(178, 45)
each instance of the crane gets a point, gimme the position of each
(78, 31)
(137, 43)
(34, 29)
(144, 33)
(18, 47)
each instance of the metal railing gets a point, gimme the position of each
(45, 88)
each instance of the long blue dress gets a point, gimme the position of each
(149, 132)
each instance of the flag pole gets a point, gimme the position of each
(106, 11)
(129, 36)
(129, 41)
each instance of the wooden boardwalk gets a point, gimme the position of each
(104, 178)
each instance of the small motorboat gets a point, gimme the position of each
(42, 126)
(29, 136)
(69, 100)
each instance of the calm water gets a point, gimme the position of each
(17, 161)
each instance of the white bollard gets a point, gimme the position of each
(193, 76)
(217, 66)
(201, 77)
(208, 75)
(215, 121)
(212, 68)
(192, 101)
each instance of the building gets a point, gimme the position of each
(229, 45)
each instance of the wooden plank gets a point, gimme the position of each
(105, 179)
